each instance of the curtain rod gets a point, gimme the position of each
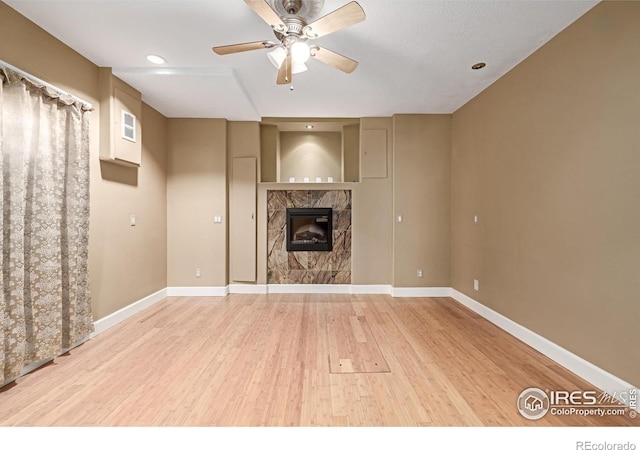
(44, 83)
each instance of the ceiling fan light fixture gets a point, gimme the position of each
(300, 52)
(298, 67)
(277, 56)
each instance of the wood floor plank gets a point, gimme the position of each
(275, 360)
(353, 347)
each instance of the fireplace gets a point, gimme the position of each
(309, 267)
(309, 229)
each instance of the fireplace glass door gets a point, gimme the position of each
(309, 229)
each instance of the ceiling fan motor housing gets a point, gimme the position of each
(294, 25)
(304, 9)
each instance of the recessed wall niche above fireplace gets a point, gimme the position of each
(309, 229)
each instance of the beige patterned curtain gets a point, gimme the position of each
(44, 173)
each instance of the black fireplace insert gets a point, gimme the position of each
(309, 229)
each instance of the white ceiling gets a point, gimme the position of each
(415, 55)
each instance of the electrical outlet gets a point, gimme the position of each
(419, 273)
(476, 285)
(198, 274)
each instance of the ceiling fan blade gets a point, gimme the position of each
(347, 65)
(284, 73)
(237, 48)
(266, 13)
(348, 15)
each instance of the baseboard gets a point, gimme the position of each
(371, 289)
(309, 288)
(197, 291)
(278, 289)
(248, 289)
(420, 292)
(328, 289)
(591, 373)
(115, 318)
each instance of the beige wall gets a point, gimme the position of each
(269, 154)
(128, 263)
(421, 193)
(372, 218)
(549, 158)
(351, 153)
(125, 263)
(310, 155)
(243, 140)
(196, 192)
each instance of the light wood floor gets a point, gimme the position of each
(283, 360)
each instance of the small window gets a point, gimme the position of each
(128, 126)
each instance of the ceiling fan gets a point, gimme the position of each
(289, 20)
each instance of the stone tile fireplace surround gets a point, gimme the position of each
(308, 267)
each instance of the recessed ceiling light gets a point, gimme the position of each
(309, 127)
(478, 66)
(156, 59)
